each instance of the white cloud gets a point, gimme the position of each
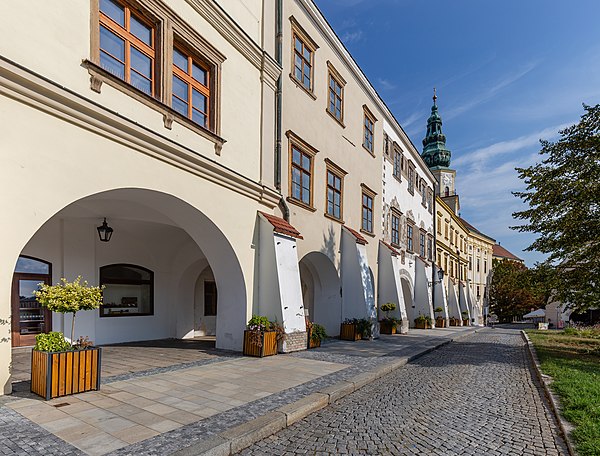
(491, 92)
(352, 36)
(386, 84)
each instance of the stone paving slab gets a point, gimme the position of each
(168, 409)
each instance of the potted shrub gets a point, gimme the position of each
(60, 367)
(423, 322)
(315, 334)
(440, 321)
(260, 337)
(388, 324)
(365, 328)
(454, 321)
(465, 318)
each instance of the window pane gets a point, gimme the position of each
(329, 179)
(180, 106)
(112, 44)
(199, 101)
(113, 10)
(298, 74)
(306, 81)
(295, 190)
(112, 65)
(199, 117)
(141, 63)
(140, 82)
(31, 266)
(298, 45)
(199, 74)
(307, 54)
(180, 88)
(296, 156)
(180, 60)
(306, 162)
(141, 30)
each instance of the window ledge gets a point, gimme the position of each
(99, 75)
(399, 179)
(338, 121)
(310, 93)
(331, 217)
(371, 153)
(299, 203)
(368, 233)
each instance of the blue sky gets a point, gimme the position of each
(507, 74)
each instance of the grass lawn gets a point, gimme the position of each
(572, 359)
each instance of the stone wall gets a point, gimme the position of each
(295, 341)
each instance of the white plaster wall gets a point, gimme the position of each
(422, 293)
(389, 286)
(203, 325)
(463, 300)
(288, 273)
(454, 309)
(441, 299)
(268, 302)
(354, 304)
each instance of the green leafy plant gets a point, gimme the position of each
(438, 310)
(69, 297)
(363, 326)
(51, 342)
(465, 314)
(318, 332)
(423, 319)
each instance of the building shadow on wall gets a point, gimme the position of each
(328, 248)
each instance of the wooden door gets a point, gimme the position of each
(28, 318)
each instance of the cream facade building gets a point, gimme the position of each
(234, 148)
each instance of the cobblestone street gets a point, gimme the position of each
(472, 397)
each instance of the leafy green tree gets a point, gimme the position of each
(563, 195)
(514, 290)
(69, 297)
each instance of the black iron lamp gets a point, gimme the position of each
(104, 231)
(441, 274)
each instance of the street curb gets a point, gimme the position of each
(553, 400)
(242, 436)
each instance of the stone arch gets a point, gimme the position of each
(321, 291)
(148, 206)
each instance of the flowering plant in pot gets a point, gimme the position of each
(60, 367)
(316, 333)
(387, 324)
(261, 336)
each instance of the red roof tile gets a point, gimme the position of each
(501, 252)
(394, 251)
(281, 226)
(357, 235)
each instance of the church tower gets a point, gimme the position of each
(437, 157)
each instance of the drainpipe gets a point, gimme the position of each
(278, 93)
(434, 255)
(278, 101)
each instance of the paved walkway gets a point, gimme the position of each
(475, 396)
(162, 410)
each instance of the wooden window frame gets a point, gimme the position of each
(331, 167)
(334, 75)
(308, 43)
(130, 41)
(422, 244)
(298, 143)
(169, 28)
(397, 169)
(429, 248)
(368, 115)
(370, 193)
(410, 228)
(439, 223)
(192, 83)
(411, 177)
(395, 215)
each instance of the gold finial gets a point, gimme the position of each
(434, 96)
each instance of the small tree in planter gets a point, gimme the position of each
(440, 321)
(454, 321)
(388, 324)
(423, 322)
(465, 318)
(58, 367)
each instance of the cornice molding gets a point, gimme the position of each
(236, 36)
(26, 87)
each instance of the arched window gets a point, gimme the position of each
(128, 292)
(447, 191)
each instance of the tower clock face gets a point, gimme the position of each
(447, 179)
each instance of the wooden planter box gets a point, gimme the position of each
(386, 327)
(268, 348)
(310, 343)
(422, 325)
(440, 322)
(454, 322)
(466, 322)
(348, 331)
(55, 374)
